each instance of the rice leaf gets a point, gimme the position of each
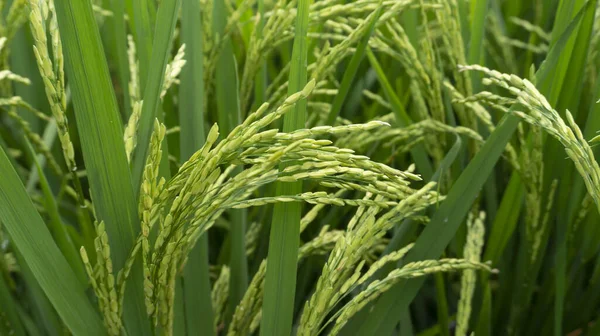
(31, 237)
(57, 228)
(196, 282)
(165, 26)
(229, 116)
(484, 320)
(352, 68)
(260, 82)
(143, 34)
(565, 11)
(284, 239)
(44, 313)
(102, 145)
(9, 310)
(119, 40)
(479, 9)
(418, 153)
(442, 304)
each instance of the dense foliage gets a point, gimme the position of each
(277, 167)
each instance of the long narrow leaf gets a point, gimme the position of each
(31, 237)
(44, 313)
(352, 68)
(165, 26)
(102, 144)
(120, 42)
(57, 228)
(285, 228)
(418, 153)
(196, 283)
(8, 310)
(479, 9)
(143, 37)
(229, 116)
(260, 82)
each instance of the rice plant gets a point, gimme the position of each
(296, 167)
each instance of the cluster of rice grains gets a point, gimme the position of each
(529, 104)
(16, 17)
(171, 73)
(188, 205)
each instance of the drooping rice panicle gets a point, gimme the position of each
(412, 270)
(412, 134)
(16, 17)
(17, 101)
(134, 72)
(253, 236)
(538, 112)
(530, 27)
(250, 308)
(103, 281)
(35, 139)
(130, 133)
(52, 73)
(201, 191)
(471, 252)
(502, 52)
(173, 69)
(220, 292)
(341, 270)
(536, 49)
(9, 75)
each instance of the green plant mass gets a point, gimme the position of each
(299, 167)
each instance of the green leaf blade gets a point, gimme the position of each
(352, 69)
(100, 129)
(199, 313)
(284, 240)
(165, 26)
(30, 235)
(229, 116)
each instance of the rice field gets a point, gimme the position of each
(299, 167)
